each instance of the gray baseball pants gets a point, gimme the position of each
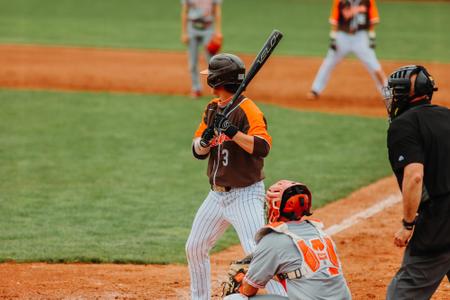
(419, 276)
(197, 39)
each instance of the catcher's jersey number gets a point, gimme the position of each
(320, 254)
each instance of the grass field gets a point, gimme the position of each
(110, 177)
(408, 30)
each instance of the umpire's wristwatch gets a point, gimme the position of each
(409, 225)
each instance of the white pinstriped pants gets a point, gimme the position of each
(241, 207)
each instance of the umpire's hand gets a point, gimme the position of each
(402, 237)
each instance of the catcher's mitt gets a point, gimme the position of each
(214, 44)
(236, 274)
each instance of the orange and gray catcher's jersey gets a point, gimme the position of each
(229, 165)
(300, 247)
(353, 15)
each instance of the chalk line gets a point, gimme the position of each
(362, 215)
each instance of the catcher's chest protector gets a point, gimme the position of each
(318, 254)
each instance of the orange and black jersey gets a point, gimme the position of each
(353, 15)
(229, 164)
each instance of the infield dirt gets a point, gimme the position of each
(366, 249)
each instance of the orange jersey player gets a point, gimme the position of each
(352, 31)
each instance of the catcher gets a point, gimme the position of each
(296, 251)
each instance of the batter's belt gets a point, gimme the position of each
(221, 189)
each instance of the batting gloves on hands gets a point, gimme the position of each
(222, 124)
(333, 40)
(333, 44)
(372, 37)
(207, 136)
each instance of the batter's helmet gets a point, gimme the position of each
(288, 199)
(226, 70)
(399, 92)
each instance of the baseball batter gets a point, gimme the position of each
(352, 31)
(297, 251)
(238, 142)
(200, 19)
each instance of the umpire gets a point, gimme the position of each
(419, 152)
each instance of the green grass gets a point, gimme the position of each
(408, 30)
(110, 177)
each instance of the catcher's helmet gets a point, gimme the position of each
(399, 92)
(225, 70)
(288, 199)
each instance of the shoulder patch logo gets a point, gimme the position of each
(401, 158)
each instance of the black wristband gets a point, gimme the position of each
(231, 131)
(408, 225)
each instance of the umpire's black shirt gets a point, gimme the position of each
(422, 135)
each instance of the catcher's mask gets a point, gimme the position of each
(288, 199)
(226, 70)
(398, 92)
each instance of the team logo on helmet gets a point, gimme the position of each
(288, 199)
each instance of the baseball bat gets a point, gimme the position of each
(267, 49)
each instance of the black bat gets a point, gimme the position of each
(267, 49)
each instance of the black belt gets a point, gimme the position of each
(200, 25)
(290, 275)
(218, 188)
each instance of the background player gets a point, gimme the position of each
(298, 252)
(352, 31)
(238, 144)
(419, 147)
(200, 19)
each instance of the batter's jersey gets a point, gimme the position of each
(276, 253)
(229, 165)
(353, 15)
(201, 10)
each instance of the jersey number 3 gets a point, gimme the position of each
(225, 154)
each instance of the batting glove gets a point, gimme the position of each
(333, 44)
(207, 136)
(372, 39)
(333, 40)
(222, 124)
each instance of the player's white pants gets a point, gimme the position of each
(241, 207)
(198, 39)
(357, 44)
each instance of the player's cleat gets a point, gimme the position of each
(312, 95)
(196, 94)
